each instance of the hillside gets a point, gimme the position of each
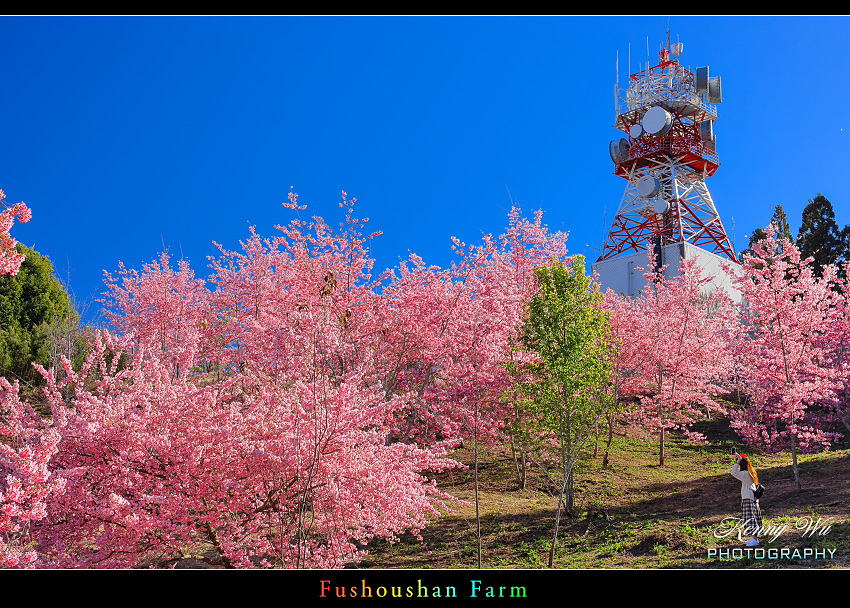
(635, 514)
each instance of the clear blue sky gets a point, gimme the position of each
(127, 135)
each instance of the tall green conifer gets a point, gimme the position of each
(819, 236)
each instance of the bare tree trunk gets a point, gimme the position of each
(519, 463)
(794, 460)
(555, 536)
(610, 438)
(477, 512)
(596, 445)
(661, 422)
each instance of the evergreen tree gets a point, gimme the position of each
(783, 230)
(780, 220)
(819, 236)
(31, 302)
(757, 235)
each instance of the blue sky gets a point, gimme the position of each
(127, 135)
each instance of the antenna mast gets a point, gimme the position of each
(668, 151)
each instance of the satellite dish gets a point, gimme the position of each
(635, 131)
(660, 206)
(624, 149)
(706, 130)
(619, 150)
(701, 79)
(648, 186)
(657, 121)
(614, 150)
(714, 95)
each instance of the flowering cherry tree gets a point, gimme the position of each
(789, 352)
(161, 307)
(839, 340)
(25, 448)
(672, 341)
(297, 475)
(284, 410)
(27, 444)
(10, 259)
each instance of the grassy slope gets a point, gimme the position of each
(633, 514)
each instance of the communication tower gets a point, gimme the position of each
(669, 149)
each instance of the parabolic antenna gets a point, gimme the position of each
(619, 150)
(648, 186)
(701, 79)
(660, 206)
(657, 121)
(635, 131)
(614, 150)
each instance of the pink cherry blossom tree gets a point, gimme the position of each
(279, 475)
(839, 340)
(286, 409)
(27, 444)
(10, 259)
(790, 362)
(672, 340)
(161, 307)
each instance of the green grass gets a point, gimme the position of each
(634, 513)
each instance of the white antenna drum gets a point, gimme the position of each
(660, 206)
(648, 186)
(657, 121)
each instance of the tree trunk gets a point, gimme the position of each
(596, 432)
(610, 437)
(477, 512)
(794, 460)
(661, 454)
(519, 463)
(555, 536)
(661, 423)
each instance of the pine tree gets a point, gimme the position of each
(783, 230)
(780, 220)
(819, 236)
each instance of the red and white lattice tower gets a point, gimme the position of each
(667, 114)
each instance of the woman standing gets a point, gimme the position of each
(744, 472)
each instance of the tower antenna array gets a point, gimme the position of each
(667, 115)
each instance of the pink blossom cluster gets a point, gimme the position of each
(27, 445)
(10, 259)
